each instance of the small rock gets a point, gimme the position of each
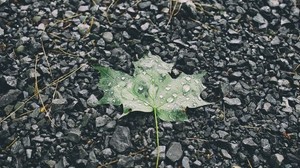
(235, 41)
(102, 120)
(249, 142)
(107, 152)
(20, 49)
(83, 28)
(297, 45)
(255, 161)
(11, 81)
(1, 32)
(226, 154)
(120, 139)
(58, 104)
(275, 40)
(266, 146)
(237, 74)
(38, 139)
(9, 97)
(74, 135)
(271, 99)
(41, 26)
(267, 106)
(175, 152)
(17, 147)
(108, 37)
(144, 5)
(125, 161)
(277, 159)
(273, 3)
(145, 26)
(83, 8)
(162, 152)
(232, 101)
(92, 101)
(2, 2)
(186, 162)
(261, 20)
(197, 163)
(54, 13)
(28, 153)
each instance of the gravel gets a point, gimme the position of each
(249, 49)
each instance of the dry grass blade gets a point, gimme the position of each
(60, 79)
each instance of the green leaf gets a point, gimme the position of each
(151, 87)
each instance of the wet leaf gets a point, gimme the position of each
(151, 87)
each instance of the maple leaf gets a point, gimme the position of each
(152, 89)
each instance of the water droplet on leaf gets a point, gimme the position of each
(170, 100)
(161, 96)
(174, 95)
(123, 78)
(168, 88)
(186, 88)
(187, 78)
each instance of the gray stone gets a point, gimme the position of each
(17, 147)
(82, 152)
(271, 99)
(102, 120)
(275, 40)
(266, 146)
(237, 74)
(255, 161)
(125, 161)
(273, 3)
(144, 5)
(50, 163)
(2, 2)
(69, 14)
(174, 152)
(11, 81)
(1, 32)
(277, 159)
(225, 154)
(28, 153)
(145, 26)
(249, 142)
(108, 37)
(83, 8)
(297, 45)
(54, 13)
(107, 152)
(74, 135)
(120, 139)
(186, 162)
(92, 157)
(267, 106)
(197, 163)
(263, 23)
(235, 41)
(92, 101)
(9, 97)
(232, 101)
(20, 49)
(58, 104)
(162, 152)
(83, 28)
(38, 139)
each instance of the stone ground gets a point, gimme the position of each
(250, 50)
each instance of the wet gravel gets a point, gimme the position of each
(250, 50)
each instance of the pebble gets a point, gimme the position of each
(92, 101)
(144, 5)
(1, 31)
(74, 135)
(162, 152)
(249, 142)
(102, 120)
(125, 161)
(225, 154)
(273, 3)
(83, 8)
(174, 152)
(121, 139)
(11, 96)
(108, 37)
(185, 162)
(232, 101)
(277, 159)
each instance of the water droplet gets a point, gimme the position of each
(187, 98)
(170, 100)
(113, 100)
(123, 78)
(140, 88)
(194, 104)
(146, 104)
(186, 88)
(109, 84)
(188, 78)
(168, 88)
(161, 96)
(174, 95)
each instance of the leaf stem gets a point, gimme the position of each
(157, 137)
